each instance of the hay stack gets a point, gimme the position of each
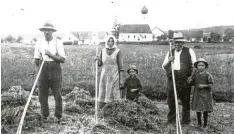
(136, 115)
(15, 96)
(79, 100)
(13, 101)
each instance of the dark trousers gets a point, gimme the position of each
(183, 92)
(50, 78)
(205, 116)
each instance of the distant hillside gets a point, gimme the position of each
(216, 29)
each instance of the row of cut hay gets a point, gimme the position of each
(12, 106)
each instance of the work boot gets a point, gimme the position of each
(58, 120)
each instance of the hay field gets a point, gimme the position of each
(79, 68)
(79, 77)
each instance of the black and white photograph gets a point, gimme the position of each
(117, 66)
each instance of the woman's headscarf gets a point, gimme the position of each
(106, 41)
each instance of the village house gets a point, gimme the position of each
(69, 39)
(135, 33)
(86, 37)
(207, 36)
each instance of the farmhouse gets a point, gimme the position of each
(208, 35)
(69, 39)
(135, 33)
(86, 37)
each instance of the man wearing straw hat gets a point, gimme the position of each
(182, 59)
(52, 52)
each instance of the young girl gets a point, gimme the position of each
(132, 84)
(111, 79)
(202, 95)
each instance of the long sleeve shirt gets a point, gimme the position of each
(54, 46)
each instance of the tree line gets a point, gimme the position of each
(12, 39)
(198, 35)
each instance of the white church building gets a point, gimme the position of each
(135, 33)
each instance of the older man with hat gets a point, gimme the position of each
(182, 59)
(52, 52)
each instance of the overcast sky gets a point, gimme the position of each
(26, 16)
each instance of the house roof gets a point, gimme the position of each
(135, 28)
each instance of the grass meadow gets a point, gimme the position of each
(79, 68)
(79, 77)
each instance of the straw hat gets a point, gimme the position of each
(200, 60)
(132, 67)
(178, 37)
(48, 25)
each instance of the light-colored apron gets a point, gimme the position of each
(109, 80)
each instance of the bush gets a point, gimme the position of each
(197, 46)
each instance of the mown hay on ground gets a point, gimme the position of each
(13, 103)
(15, 96)
(136, 115)
(79, 100)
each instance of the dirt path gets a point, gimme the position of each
(220, 121)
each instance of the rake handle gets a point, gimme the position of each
(28, 101)
(96, 87)
(178, 125)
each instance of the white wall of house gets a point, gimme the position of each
(135, 37)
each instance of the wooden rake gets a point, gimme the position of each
(178, 124)
(28, 101)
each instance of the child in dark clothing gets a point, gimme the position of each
(132, 84)
(202, 95)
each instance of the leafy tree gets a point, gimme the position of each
(198, 35)
(170, 34)
(162, 37)
(19, 39)
(229, 33)
(116, 28)
(34, 39)
(10, 39)
(205, 38)
(215, 37)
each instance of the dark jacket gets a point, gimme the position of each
(132, 83)
(185, 63)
